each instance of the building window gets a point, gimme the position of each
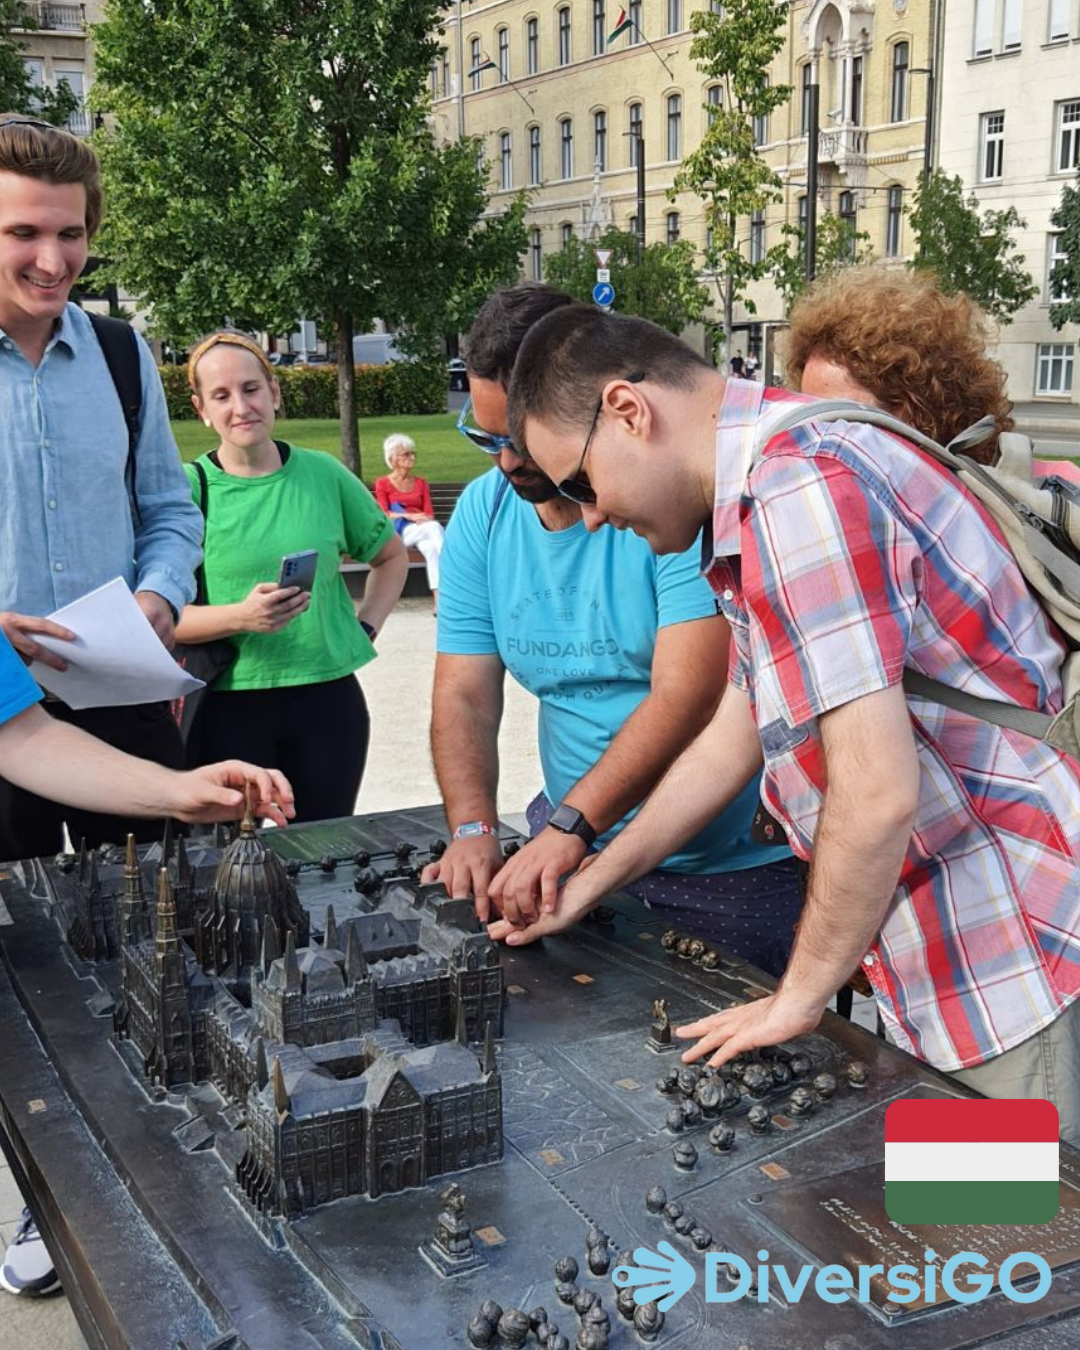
(476, 78)
(599, 28)
(893, 220)
(600, 140)
(566, 233)
(714, 100)
(535, 173)
(847, 213)
(506, 168)
(983, 38)
(566, 147)
(434, 78)
(673, 227)
(674, 126)
(1059, 20)
(1011, 25)
(1068, 136)
(856, 90)
(503, 36)
(991, 146)
(757, 237)
(445, 62)
(536, 255)
(1054, 368)
(804, 114)
(532, 46)
(674, 16)
(633, 12)
(637, 134)
(564, 36)
(759, 125)
(1056, 290)
(900, 54)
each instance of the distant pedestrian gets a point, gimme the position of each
(406, 499)
(738, 365)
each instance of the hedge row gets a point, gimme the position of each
(311, 391)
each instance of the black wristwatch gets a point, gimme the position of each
(569, 820)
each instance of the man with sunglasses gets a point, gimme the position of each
(626, 654)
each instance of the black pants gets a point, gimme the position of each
(31, 826)
(316, 734)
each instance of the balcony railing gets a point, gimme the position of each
(47, 16)
(845, 147)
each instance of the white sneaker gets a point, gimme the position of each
(27, 1266)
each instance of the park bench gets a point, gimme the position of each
(443, 498)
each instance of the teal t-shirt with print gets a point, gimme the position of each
(311, 502)
(574, 618)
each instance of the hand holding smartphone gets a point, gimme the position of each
(298, 569)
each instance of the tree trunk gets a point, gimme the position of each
(346, 383)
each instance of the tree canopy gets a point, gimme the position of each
(839, 245)
(662, 285)
(270, 160)
(1065, 278)
(18, 92)
(968, 251)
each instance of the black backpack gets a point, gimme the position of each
(120, 347)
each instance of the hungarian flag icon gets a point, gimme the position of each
(952, 1160)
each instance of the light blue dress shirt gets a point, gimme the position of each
(66, 525)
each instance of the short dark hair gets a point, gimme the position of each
(501, 325)
(566, 359)
(36, 150)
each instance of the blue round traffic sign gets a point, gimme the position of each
(603, 293)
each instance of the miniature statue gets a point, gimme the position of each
(490, 1310)
(655, 1199)
(624, 1302)
(758, 1119)
(538, 1318)
(781, 1073)
(675, 1119)
(672, 1210)
(858, 1075)
(668, 1083)
(711, 960)
(597, 1317)
(737, 1067)
(708, 1097)
(697, 949)
(648, 1319)
(670, 940)
(403, 852)
(510, 849)
(682, 947)
(328, 863)
(722, 1138)
(599, 1259)
(756, 1080)
(452, 1251)
(691, 1114)
(801, 1065)
(730, 1096)
(566, 1291)
(824, 1086)
(566, 1270)
(480, 1331)
(557, 1342)
(685, 1155)
(801, 1102)
(689, 1077)
(596, 1237)
(583, 1301)
(436, 849)
(362, 859)
(701, 1238)
(660, 1033)
(684, 1225)
(514, 1328)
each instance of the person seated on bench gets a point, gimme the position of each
(406, 499)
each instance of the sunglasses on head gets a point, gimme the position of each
(577, 487)
(488, 441)
(19, 121)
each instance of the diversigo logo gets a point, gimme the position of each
(947, 1162)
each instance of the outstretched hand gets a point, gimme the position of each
(216, 792)
(573, 902)
(765, 1021)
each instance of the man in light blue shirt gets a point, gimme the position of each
(73, 519)
(624, 652)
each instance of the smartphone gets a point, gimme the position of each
(298, 569)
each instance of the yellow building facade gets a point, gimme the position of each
(559, 108)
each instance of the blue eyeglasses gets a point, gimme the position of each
(488, 441)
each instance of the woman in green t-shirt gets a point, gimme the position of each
(290, 697)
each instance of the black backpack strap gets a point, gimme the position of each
(201, 597)
(120, 347)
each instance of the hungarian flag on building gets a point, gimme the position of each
(622, 24)
(485, 63)
(952, 1160)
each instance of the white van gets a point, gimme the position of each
(375, 349)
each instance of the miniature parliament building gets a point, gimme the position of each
(348, 1062)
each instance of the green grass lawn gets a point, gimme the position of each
(442, 454)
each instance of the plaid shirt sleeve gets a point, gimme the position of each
(831, 580)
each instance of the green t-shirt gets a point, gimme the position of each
(311, 502)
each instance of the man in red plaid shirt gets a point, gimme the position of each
(944, 850)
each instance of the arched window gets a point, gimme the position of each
(566, 233)
(893, 220)
(506, 166)
(535, 173)
(714, 98)
(673, 227)
(847, 213)
(674, 126)
(476, 78)
(599, 28)
(532, 46)
(536, 256)
(674, 16)
(503, 37)
(600, 139)
(898, 110)
(566, 147)
(564, 35)
(804, 111)
(757, 237)
(636, 128)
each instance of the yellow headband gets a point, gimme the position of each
(226, 340)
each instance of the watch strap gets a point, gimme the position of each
(569, 820)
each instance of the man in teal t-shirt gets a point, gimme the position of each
(621, 648)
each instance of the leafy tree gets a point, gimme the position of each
(272, 160)
(967, 251)
(734, 47)
(18, 92)
(1065, 278)
(839, 245)
(662, 285)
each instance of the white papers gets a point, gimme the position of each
(116, 659)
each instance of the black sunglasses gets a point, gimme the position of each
(19, 121)
(577, 487)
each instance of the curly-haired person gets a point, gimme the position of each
(895, 339)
